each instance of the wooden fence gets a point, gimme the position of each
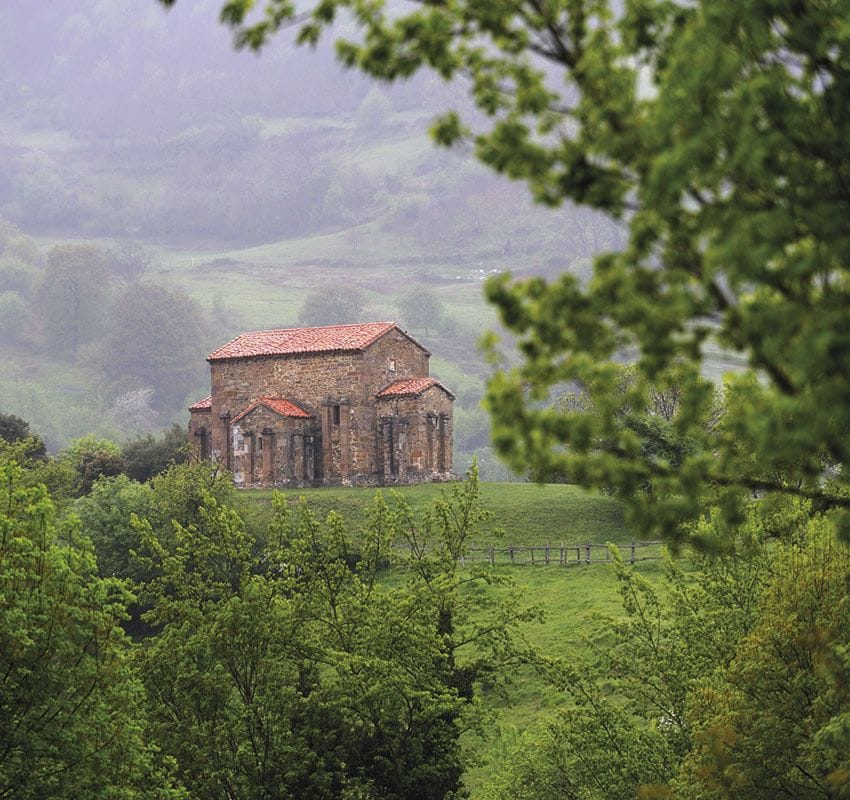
(562, 555)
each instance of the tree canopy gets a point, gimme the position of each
(72, 294)
(332, 305)
(157, 341)
(14, 429)
(291, 668)
(718, 133)
(71, 712)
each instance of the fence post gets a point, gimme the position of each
(546, 557)
(633, 551)
(563, 554)
(512, 554)
(492, 557)
(578, 553)
(587, 552)
(532, 554)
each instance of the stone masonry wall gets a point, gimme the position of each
(199, 434)
(390, 358)
(338, 388)
(270, 450)
(415, 437)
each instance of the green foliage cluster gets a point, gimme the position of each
(71, 704)
(728, 680)
(175, 495)
(88, 458)
(14, 429)
(280, 666)
(147, 455)
(332, 305)
(422, 310)
(291, 669)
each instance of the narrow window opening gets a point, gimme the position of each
(259, 443)
(335, 414)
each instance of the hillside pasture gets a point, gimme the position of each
(522, 514)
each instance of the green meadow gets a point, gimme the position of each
(521, 514)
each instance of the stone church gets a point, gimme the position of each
(338, 405)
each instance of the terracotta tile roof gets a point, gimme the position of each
(202, 405)
(411, 386)
(333, 338)
(286, 408)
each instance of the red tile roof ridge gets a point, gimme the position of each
(406, 387)
(202, 405)
(280, 405)
(323, 339)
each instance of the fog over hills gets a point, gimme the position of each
(248, 182)
(120, 119)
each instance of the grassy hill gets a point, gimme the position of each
(523, 514)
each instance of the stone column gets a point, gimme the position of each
(310, 458)
(327, 445)
(268, 455)
(345, 440)
(441, 443)
(430, 424)
(249, 435)
(228, 444)
(296, 457)
(387, 443)
(402, 446)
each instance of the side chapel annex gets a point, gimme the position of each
(344, 404)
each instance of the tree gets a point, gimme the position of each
(332, 305)
(71, 717)
(156, 339)
(130, 260)
(421, 309)
(146, 456)
(776, 722)
(73, 294)
(14, 429)
(641, 717)
(13, 315)
(706, 127)
(295, 671)
(175, 495)
(105, 513)
(652, 423)
(91, 458)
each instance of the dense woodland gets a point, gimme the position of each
(163, 635)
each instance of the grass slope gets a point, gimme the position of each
(574, 602)
(522, 513)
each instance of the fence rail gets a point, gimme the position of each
(563, 555)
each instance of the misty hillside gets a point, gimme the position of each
(123, 120)
(246, 184)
